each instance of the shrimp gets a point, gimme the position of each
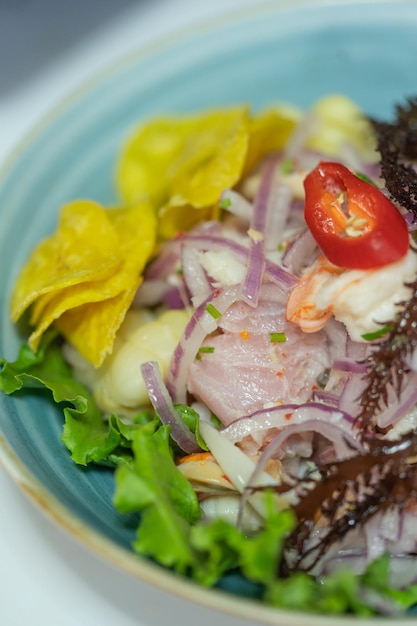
(302, 308)
(362, 300)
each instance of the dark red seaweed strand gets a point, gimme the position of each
(397, 145)
(350, 492)
(387, 364)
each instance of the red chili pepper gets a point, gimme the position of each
(354, 224)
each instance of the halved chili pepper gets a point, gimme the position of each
(353, 223)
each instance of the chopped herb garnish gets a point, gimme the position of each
(377, 334)
(215, 420)
(287, 166)
(210, 308)
(277, 337)
(366, 178)
(206, 349)
(225, 203)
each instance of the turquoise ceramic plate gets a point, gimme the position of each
(294, 52)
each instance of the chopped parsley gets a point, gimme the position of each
(377, 334)
(210, 308)
(277, 337)
(225, 203)
(287, 166)
(366, 179)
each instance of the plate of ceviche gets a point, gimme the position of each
(208, 341)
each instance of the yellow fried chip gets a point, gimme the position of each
(216, 162)
(104, 298)
(84, 247)
(269, 131)
(184, 163)
(92, 327)
(129, 225)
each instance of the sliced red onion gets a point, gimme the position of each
(403, 565)
(410, 218)
(286, 416)
(167, 262)
(353, 389)
(176, 298)
(273, 272)
(337, 339)
(399, 407)
(279, 276)
(326, 397)
(257, 231)
(280, 203)
(172, 293)
(151, 292)
(202, 323)
(237, 205)
(162, 403)
(357, 350)
(398, 527)
(193, 273)
(345, 443)
(298, 254)
(350, 366)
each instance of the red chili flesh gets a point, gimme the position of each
(353, 223)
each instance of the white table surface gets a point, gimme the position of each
(48, 48)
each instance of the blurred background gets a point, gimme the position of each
(35, 33)
(50, 47)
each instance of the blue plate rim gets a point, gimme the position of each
(218, 600)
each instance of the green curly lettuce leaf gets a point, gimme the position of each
(148, 482)
(169, 508)
(85, 433)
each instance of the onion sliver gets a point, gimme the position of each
(195, 277)
(258, 227)
(237, 466)
(202, 323)
(273, 272)
(237, 205)
(280, 203)
(345, 444)
(296, 255)
(286, 416)
(400, 405)
(162, 403)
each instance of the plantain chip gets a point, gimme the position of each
(84, 247)
(91, 264)
(183, 164)
(269, 131)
